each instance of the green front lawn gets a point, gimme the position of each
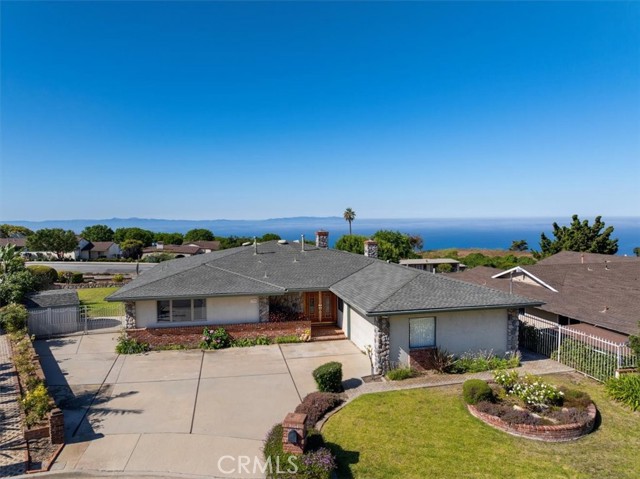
(94, 297)
(429, 433)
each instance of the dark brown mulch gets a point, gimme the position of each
(41, 453)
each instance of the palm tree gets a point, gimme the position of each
(349, 215)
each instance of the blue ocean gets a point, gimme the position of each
(490, 233)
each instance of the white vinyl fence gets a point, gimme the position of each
(47, 322)
(596, 357)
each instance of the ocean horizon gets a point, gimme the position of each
(437, 233)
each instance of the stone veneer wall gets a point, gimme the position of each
(191, 336)
(263, 309)
(288, 302)
(513, 326)
(129, 315)
(381, 344)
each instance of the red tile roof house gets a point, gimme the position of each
(592, 293)
(400, 312)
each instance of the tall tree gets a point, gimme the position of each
(349, 216)
(131, 248)
(394, 246)
(97, 233)
(198, 234)
(579, 236)
(56, 240)
(351, 243)
(168, 238)
(636, 250)
(139, 234)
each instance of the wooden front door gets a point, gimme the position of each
(320, 307)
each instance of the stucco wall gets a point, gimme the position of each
(457, 332)
(362, 330)
(231, 310)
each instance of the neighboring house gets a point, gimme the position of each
(54, 298)
(592, 293)
(102, 249)
(400, 312)
(17, 242)
(180, 251)
(205, 246)
(430, 265)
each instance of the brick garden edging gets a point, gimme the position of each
(552, 433)
(54, 427)
(191, 336)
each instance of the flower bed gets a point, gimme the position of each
(530, 407)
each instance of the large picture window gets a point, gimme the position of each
(181, 310)
(422, 332)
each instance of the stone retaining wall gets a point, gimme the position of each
(191, 336)
(554, 433)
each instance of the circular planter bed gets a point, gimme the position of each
(550, 433)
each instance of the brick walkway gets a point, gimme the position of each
(531, 363)
(13, 448)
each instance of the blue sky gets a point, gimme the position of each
(257, 110)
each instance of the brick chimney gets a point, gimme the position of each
(322, 239)
(371, 249)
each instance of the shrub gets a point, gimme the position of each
(329, 377)
(70, 277)
(13, 317)
(44, 276)
(519, 416)
(317, 464)
(493, 409)
(535, 392)
(118, 278)
(506, 379)
(316, 405)
(398, 374)
(625, 389)
(573, 398)
(127, 345)
(36, 404)
(479, 361)
(476, 390)
(442, 360)
(215, 339)
(275, 455)
(569, 416)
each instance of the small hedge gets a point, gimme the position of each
(70, 277)
(316, 405)
(45, 276)
(476, 390)
(329, 377)
(127, 345)
(400, 374)
(13, 317)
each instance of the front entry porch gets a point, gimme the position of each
(321, 308)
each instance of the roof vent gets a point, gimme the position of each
(246, 243)
(283, 241)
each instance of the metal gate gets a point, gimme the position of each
(596, 357)
(47, 322)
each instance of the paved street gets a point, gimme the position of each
(187, 412)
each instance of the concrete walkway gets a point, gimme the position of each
(531, 363)
(13, 448)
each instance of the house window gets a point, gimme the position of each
(422, 332)
(181, 310)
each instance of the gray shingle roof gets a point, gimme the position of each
(371, 285)
(52, 299)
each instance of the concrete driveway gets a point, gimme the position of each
(187, 412)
